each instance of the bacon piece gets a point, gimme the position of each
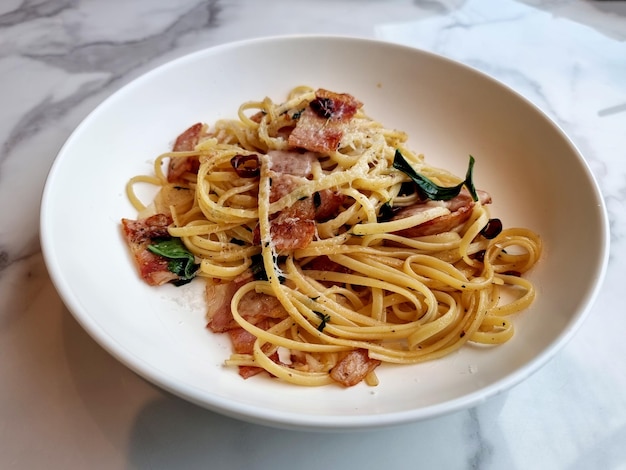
(185, 142)
(324, 263)
(460, 210)
(291, 231)
(258, 309)
(283, 184)
(242, 340)
(256, 117)
(249, 371)
(153, 268)
(292, 163)
(243, 343)
(254, 307)
(353, 368)
(321, 130)
(327, 204)
(143, 230)
(344, 105)
(138, 234)
(218, 297)
(288, 170)
(294, 227)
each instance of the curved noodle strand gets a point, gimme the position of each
(364, 280)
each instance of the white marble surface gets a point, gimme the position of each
(65, 403)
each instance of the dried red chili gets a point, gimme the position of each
(323, 107)
(246, 166)
(492, 229)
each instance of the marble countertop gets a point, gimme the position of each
(66, 403)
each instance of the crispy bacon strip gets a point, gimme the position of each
(344, 105)
(254, 307)
(324, 263)
(249, 371)
(185, 142)
(294, 227)
(243, 343)
(321, 130)
(218, 297)
(292, 163)
(353, 368)
(327, 204)
(242, 340)
(259, 309)
(292, 231)
(139, 234)
(460, 210)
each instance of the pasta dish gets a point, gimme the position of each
(327, 245)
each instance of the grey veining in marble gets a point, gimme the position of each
(66, 403)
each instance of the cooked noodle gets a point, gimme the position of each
(402, 299)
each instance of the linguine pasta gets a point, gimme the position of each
(322, 254)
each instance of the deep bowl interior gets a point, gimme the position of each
(449, 110)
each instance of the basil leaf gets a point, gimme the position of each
(385, 213)
(324, 319)
(258, 268)
(170, 248)
(427, 189)
(180, 260)
(469, 179)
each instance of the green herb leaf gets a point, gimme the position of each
(325, 319)
(385, 213)
(427, 189)
(180, 260)
(258, 268)
(469, 179)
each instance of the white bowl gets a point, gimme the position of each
(536, 176)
